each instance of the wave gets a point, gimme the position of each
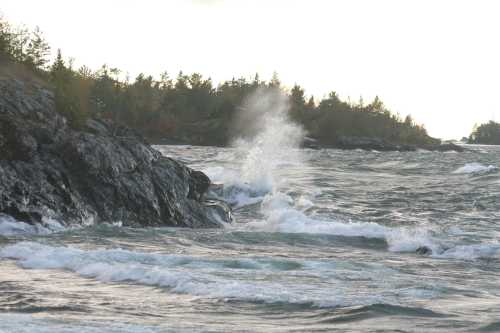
(475, 168)
(281, 215)
(379, 310)
(471, 252)
(196, 275)
(492, 327)
(284, 214)
(25, 323)
(258, 180)
(9, 227)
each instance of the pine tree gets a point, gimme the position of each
(37, 50)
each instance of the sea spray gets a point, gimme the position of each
(267, 136)
(268, 143)
(264, 141)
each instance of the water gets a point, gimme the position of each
(324, 240)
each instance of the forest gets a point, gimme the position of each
(487, 134)
(190, 108)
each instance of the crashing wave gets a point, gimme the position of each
(9, 226)
(197, 276)
(475, 168)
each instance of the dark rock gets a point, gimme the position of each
(350, 142)
(104, 173)
(369, 143)
(423, 250)
(220, 210)
(199, 184)
(444, 147)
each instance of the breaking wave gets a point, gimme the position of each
(475, 168)
(183, 274)
(12, 227)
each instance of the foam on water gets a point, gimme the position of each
(25, 323)
(282, 216)
(187, 275)
(471, 252)
(478, 168)
(11, 227)
(273, 145)
(268, 142)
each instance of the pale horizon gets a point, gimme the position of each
(437, 61)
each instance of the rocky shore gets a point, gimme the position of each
(365, 143)
(101, 173)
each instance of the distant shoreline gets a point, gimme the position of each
(347, 143)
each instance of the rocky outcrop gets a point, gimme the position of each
(351, 142)
(102, 173)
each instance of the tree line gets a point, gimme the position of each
(488, 134)
(189, 107)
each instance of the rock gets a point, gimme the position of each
(369, 143)
(350, 142)
(444, 147)
(423, 250)
(104, 173)
(220, 210)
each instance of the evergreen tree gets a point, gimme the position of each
(67, 101)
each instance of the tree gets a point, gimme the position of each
(37, 50)
(67, 99)
(6, 37)
(488, 133)
(297, 102)
(190, 107)
(376, 106)
(275, 81)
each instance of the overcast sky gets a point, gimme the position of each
(438, 60)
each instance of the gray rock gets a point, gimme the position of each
(104, 173)
(368, 143)
(423, 250)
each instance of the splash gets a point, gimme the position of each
(268, 145)
(268, 137)
(265, 141)
(12, 227)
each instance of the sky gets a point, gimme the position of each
(438, 60)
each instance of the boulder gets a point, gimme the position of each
(102, 173)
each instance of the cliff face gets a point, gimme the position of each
(104, 173)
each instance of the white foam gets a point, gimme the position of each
(12, 227)
(304, 203)
(181, 274)
(274, 147)
(282, 216)
(274, 143)
(471, 168)
(260, 157)
(471, 252)
(27, 323)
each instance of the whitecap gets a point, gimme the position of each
(9, 226)
(471, 168)
(180, 274)
(282, 216)
(471, 252)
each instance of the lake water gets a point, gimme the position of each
(323, 240)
